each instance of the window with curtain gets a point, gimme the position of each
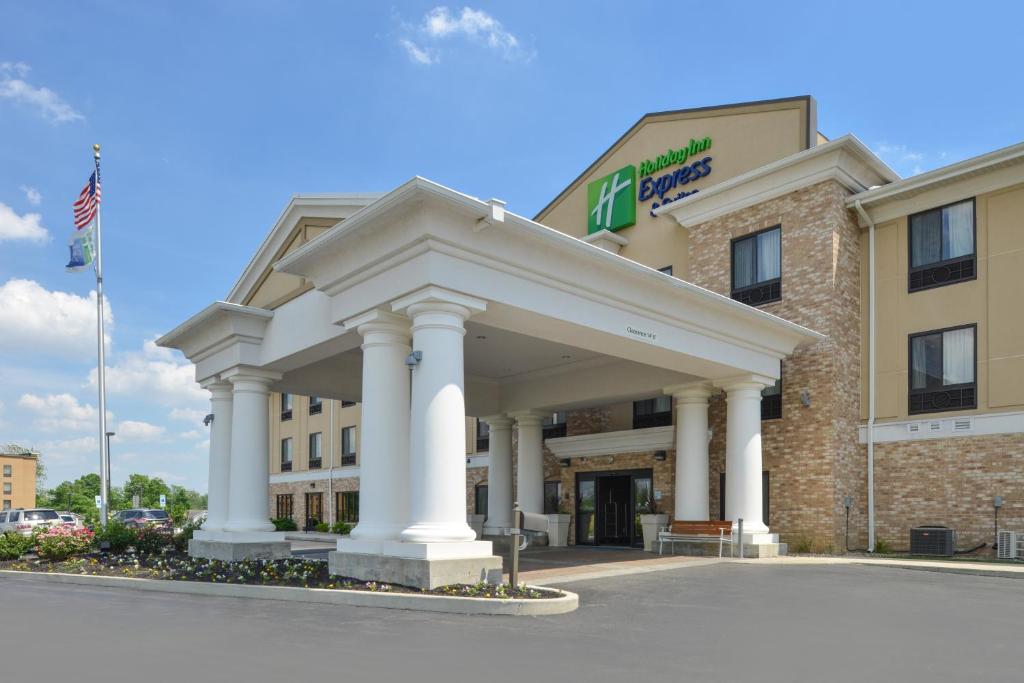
(348, 446)
(652, 412)
(942, 370)
(284, 506)
(286, 455)
(315, 452)
(757, 267)
(942, 246)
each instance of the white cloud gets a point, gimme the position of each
(418, 54)
(188, 414)
(441, 23)
(904, 160)
(70, 451)
(37, 320)
(14, 87)
(134, 430)
(155, 375)
(191, 434)
(61, 412)
(27, 227)
(34, 196)
(170, 477)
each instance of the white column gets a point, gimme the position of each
(499, 474)
(220, 454)
(437, 451)
(248, 490)
(691, 494)
(530, 461)
(743, 452)
(384, 429)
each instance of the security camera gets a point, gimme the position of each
(414, 358)
(208, 420)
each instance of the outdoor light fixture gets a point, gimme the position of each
(805, 398)
(414, 358)
(564, 462)
(208, 420)
(659, 456)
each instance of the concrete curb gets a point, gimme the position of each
(424, 603)
(972, 568)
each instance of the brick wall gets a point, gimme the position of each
(299, 489)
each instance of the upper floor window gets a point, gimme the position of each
(771, 401)
(652, 412)
(942, 370)
(315, 452)
(316, 406)
(554, 426)
(7, 487)
(757, 267)
(286, 406)
(348, 446)
(483, 436)
(7, 470)
(347, 404)
(286, 455)
(942, 246)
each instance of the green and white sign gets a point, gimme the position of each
(611, 201)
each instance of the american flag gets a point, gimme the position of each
(88, 202)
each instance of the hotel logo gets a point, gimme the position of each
(611, 201)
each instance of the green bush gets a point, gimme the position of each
(342, 528)
(285, 524)
(61, 542)
(882, 547)
(150, 541)
(322, 527)
(117, 535)
(182, 538)
(13, 546)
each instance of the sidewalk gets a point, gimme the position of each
(978, 568)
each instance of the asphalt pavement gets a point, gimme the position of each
(724, 622)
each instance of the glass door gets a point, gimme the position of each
(643, 503)
(586, 508)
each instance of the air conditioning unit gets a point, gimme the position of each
(932, 540)
(1008, 542)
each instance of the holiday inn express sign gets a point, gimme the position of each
(612, 200)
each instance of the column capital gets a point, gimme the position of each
(499, 421)
(692, 392)
(250, 375)
(378, 320)
(742, 382)
(220, 389)
(440, 299)
(529, 418)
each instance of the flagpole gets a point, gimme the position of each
(101, 353)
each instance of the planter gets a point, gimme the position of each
(651, 525)
(558, 530)
(476, 522)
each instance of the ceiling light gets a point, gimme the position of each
(481, 336)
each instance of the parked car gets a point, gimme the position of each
(24, 522)
(72, 520)
(138, 518)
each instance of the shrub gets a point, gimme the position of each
(803, 545)
(322, 527)
(182, 538)
(13, 546)
(149, 541)
(342, 528)
(118, 537)
(61, 542)
(285, 524)
(882, 547)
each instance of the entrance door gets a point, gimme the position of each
(608, 505)
(613, 511)
(314, 509)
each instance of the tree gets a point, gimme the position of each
(40, 475)
(148, 489)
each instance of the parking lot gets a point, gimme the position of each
(725, 622)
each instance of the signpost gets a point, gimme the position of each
(99, 502)
(163, 501)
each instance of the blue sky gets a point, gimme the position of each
(212, 114)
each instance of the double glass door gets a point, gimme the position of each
(608, 507)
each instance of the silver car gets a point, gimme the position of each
(24, 522)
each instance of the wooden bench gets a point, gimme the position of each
(696, 532)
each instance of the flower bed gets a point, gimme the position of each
(289, 572)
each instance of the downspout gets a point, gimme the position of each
(330, 469)
(871, 373)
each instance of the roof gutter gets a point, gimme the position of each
(871, 372)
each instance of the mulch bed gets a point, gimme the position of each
(289, 572)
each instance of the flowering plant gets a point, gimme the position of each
(61, 542)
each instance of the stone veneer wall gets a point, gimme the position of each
(299, 488)
(950, 482)
(811, 454)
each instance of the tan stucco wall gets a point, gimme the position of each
(992, 301)
(275, 288)
(743, 138)
(22, 481)
(303, 424)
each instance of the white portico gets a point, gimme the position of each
(427, 305)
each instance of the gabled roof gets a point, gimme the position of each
(331, 205)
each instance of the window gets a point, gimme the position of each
(480, 499)
(7, 471)
(284, 505)
(7, 504)
(347, 404)
(316, 406)
(483, 436)
(286, 406)
(942, 370)
(7, 487)
(315, 441)
(554, 426)
(652, 412)
(667, 270)
(942, 246)
(771, 401)
(348, 446)
(552, 496)
(757, 267)
(346, 505)
(286, 455)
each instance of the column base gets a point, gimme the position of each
(418, 565)
(238, 551)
